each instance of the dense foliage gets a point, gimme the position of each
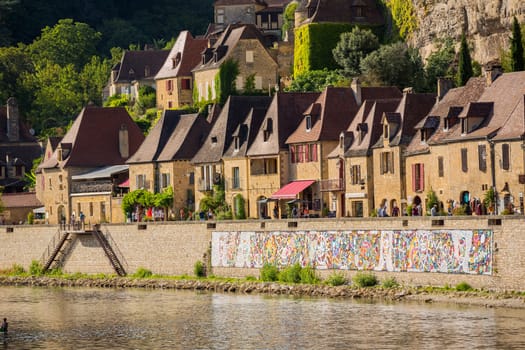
(352, 48)
(404, 16)
(516, 47)
(465, 71)
(314, 81)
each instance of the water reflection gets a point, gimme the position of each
(65, 318)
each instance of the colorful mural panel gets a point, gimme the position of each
(445, 251)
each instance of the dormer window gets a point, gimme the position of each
(341, 141)
(308, 122)
(268, 129)
(176, 60)
(236, 143)
(147, 71)
(424, 135)
(445, 124)
(464, 126)
(385, 131)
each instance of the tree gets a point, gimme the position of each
(465, 71)
(394, 65)
(439, 64)
(164, 200)
(14, 62)
(315, 80)
(516, 47)
(65, 43)
(352, 48)
(93, 78)
(6, 6)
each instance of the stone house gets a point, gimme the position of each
(18, 148)
(99, 138)
(17, 206)
(268, 155)
(429, 165)
(174, 80)
(398, 128)
(208, 161)
(163, 159)
(244, 45)
(136, 69)
(351, 163)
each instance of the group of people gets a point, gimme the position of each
(3, 326)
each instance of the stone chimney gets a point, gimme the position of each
(13, 128)
(123, 141)
(356, 88)
(443, 86)
(492, 71)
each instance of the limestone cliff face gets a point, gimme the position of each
(486, 22)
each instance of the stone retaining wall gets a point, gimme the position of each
(173, 248)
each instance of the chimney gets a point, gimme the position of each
(492, 71)
(13, 132)
(356, 87)
(443, 86)
(123, 141)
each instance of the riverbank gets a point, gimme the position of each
(397, 294)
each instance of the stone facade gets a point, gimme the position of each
(174, 92)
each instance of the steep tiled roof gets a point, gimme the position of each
(134, 63)
(514, 127)
(344, 11)
(220, 136)
(246, 132)
(227, 42)
(184, 55)
(94, 138)
(283, 116)
(20, 200)
(368, 123)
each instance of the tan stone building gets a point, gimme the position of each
(98, 138)
(208, 161)
(244, 45)
(269, 153)
(174, 81)
(398, 128)
(163, 159)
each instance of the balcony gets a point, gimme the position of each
(331, 185)
(91, 187)
(204, 185)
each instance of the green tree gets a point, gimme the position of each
(164, 200)
(516, 47)
(67, 42)
(352, 48)
(14, 62)
(315, 80)
(225, 80)
(6, 6)
(431, 200)
(92, 79)
(394, 65)
(439, 64)
(465, 71)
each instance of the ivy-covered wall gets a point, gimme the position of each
(314, 44)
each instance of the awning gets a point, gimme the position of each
(291, 190)
(101, 173)
(124, 184)
(41, 210)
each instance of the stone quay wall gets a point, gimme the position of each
(493, 261)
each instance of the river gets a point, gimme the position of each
(81, 318)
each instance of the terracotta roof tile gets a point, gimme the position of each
(20, 200)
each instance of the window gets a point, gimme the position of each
(270, 166)
(313, 152)
(141, 181)
(308, 122)
(440, 167)
(214, 139)
(249, 56)
(170, 104)
(482, 157)
(385, 131)
(185, 84)
(90, 208)
(464, 160)
(103, 211)
(236, 181)
(387, 163)
(293, 157)
(505, 155)
(355, 174)
(169, 85)
(258, 83)
(165, 180)
(220, 16)
(445, 124)
(464, 126)
(236, 143)
(418, 177)
(147, 71)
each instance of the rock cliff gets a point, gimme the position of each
(486, 22)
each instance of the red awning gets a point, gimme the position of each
(124, 184)
(291, 190)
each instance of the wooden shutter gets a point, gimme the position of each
(382, 163)
(482, 157)
(464, 163)
(440, 167)
(505, 154)
(292, 154)
(391, 162)
(421, 177)
(314, 152)
(307, 153)
(414, 181)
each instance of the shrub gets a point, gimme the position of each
(336, 279)
(30, 218)
(35, 269)
(199, 270)
(142, 273)
(291, 274)
(251, 278)
(269, 273)
(463, 287)
(390, 283)
(17, 269)
(308, 275)
(365, 279)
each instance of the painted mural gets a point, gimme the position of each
(446, 251)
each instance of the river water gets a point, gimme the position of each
(80, 318)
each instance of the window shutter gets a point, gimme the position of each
(381, 163)
(352, 174)
(482, 157)
(292, 154)
(464, 164)
(414, 180)
(307, 153)
(391, 163)
(505, 150)
(314, 152)
(421, 177)
(440, 167)
(358, 178)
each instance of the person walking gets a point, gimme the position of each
(3, 327)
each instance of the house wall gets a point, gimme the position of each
(147, 169)
(177, 96)
(180, 182)
(388, 186)
(205, 84)
(173, 248)
(96, 207)
(230, 192)
(509, 179)
(244, 13)
(359, 193)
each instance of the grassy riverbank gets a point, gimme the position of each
(393, 293)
